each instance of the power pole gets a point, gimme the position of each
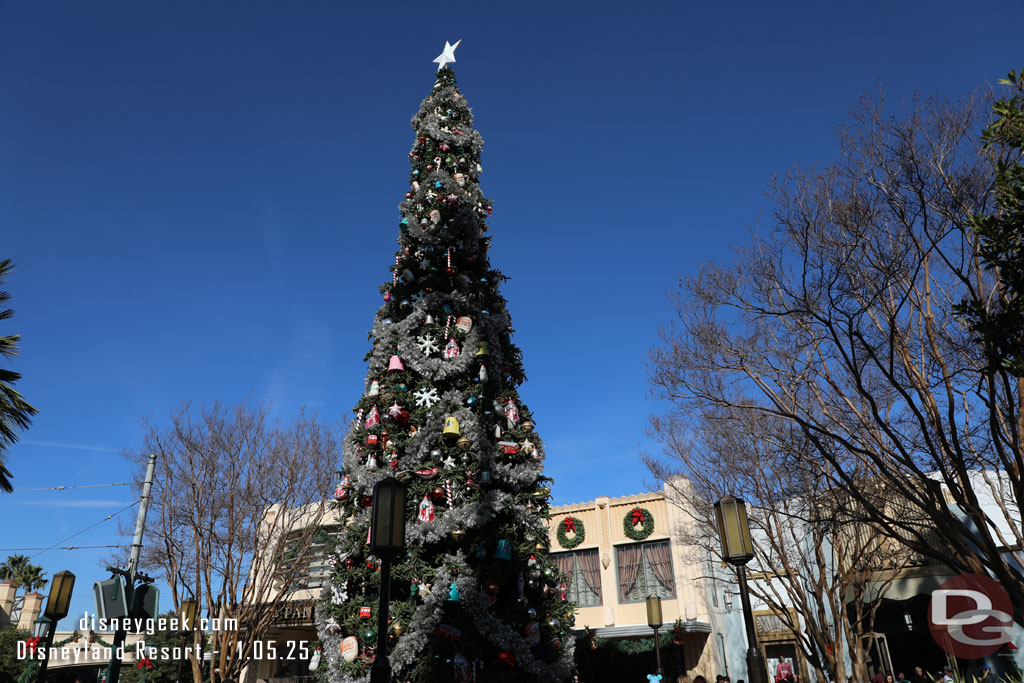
(114, 669)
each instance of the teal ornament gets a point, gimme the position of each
(437, 184)
(471, 400)
(416, 172)
(481, 552)
(504, 549)
(447, 308)
(369, 635)
(402, 386)
(404, 303)
(413, 588)
(453, 593)
(485, 479)
(404, 221)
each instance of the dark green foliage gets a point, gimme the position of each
(15, 412)
(10, 666)
(999, 323)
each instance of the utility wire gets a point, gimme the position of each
(67, 547)
(65, 488)
(58, 543)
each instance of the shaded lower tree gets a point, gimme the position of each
(841, 323)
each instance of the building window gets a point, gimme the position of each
(582, 570)
(314, 569)
(645, 569)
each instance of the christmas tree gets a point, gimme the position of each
(475, 597)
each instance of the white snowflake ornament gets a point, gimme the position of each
(427, 345)
(426, 397)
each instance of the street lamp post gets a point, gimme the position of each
(387, 540)
(187, 615)
(654, 620)
(57, 605)
(737, 550)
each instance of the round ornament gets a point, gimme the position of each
(531, 634)
(574, 525)
(638, 524)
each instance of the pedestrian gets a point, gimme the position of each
(919, 676)
(900, 677)
(699, 679)
(783, 669)
(889, 678)
(985, 674)
(947, 674)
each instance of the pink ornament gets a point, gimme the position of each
(374, 418)
(511, 413)
(451, 350)
(395, 411)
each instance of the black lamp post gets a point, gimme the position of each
(387, 540)
(57, 605)
(187, 616)
(654, 620)
(737, 550)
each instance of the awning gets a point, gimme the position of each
(634, 630)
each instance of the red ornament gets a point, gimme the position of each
(144, 662)
(364, 613)
(372, 440)
(506, 659)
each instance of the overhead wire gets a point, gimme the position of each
(58, 543)
(79, 486)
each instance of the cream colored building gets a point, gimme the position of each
(613, 605)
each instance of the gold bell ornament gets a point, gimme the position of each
(464, 443)
(482, 352)
(451, 428)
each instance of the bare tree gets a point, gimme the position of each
(811, 559)
(841, 323)
(236, 504)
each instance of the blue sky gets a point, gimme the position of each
(201, 198)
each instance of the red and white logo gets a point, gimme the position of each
(970, 616)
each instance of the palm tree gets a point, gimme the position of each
(18, 570)
(15, 411)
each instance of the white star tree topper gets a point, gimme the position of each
(448, 55)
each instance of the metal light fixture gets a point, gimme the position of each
(40, 627)
(654, 620)
(387, 533)
(187, 619)
(187, 614)
(59, 602)
(734, 529)
(57, 606)
(387, 539)
(737, 550)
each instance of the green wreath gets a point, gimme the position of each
(640, 516)
(574, 524)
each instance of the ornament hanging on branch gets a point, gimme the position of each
(511, 413)
(373, 418)
(426, 513)
(426, 398)
(451, 350)
(427, 345)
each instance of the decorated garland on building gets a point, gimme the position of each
(641, 516)
(575, 525)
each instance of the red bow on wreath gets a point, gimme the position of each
(638, 516)
(570, 524)
(32, 643)
(144, 662)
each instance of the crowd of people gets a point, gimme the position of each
(784, 674)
